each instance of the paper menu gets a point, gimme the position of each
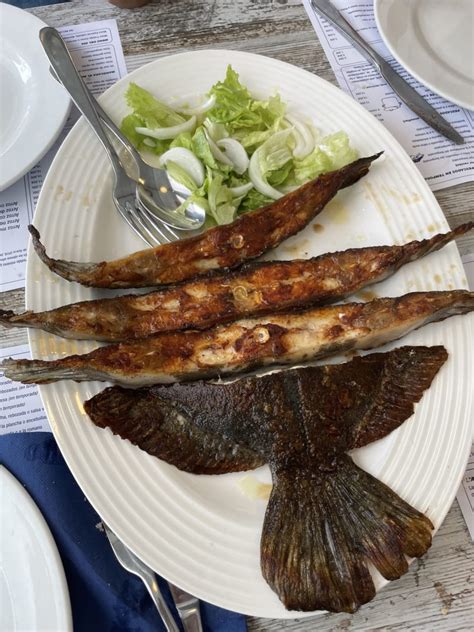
(441, 162)
(97, 52)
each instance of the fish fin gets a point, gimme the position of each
(406, 374)
(322, 530)
(7, 317)
(69, 270)
(30, 319)
(158, 429)
(417, 249)
(36, 371)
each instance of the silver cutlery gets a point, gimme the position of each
(137, 203)
(143, 170)
(407, 94)
(134, 565)
(188, 609)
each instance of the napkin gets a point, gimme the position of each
(29, 4)
(103, 595)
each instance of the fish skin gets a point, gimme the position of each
(303, 422)
(226, 246)
(247, 344)
(159, 430)
(254, 289)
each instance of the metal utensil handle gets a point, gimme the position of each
(66, 71)
(149, 579)
(116, 131)
(341, 24)
(190, 618)
(107, 120)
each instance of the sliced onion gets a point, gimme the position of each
(166, 133)
(241, 190)
(187, 161)
(236, 154)
(198, 109)
(149, 142)
(258, 181)
(216, 152)
(303, 136)
(216, 130)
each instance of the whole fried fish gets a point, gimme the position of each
(250, 343)
(254, 289)
(326, 518)
(225, 246)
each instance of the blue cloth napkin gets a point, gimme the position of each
(29, 4)
(104, 597)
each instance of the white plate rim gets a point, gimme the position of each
(36, 338)
(44, 539)
(380, 11)
(55, 101)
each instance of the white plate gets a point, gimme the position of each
(199, 531)
(433, 40)
(33, 589)
(33, 107)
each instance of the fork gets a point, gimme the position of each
(134, 565)
(124, 192)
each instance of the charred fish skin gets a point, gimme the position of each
(225, 246)
(280, 339)
(341, 521)
(326, 518)
(255, 289)
(366, 398)
(160, 430)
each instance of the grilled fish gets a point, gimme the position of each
(326, 518)
(226, 246)
(255, 289)
(247, 344)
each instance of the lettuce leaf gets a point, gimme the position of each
(279, 176)
(184, 139)
(334, 151)
(152, 112)
(338, 149)
(241, 114)
(128, 126)
(222, 205)
(201, 148)
(232, 99)
(253, 200)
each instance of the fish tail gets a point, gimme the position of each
(441, 304)
(43, 372)
(356, 170)
(322, 529)
(417, 249)
(7, 318)
(69, 270)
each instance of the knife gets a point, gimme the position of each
(407, 94)
(188, 609)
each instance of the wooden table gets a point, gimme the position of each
(437, 593)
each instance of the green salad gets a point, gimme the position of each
(232, 152)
